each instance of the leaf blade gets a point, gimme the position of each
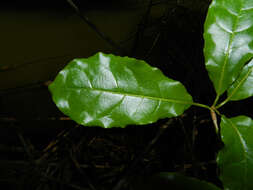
(242, 88)
(236, 159)
(107, 90)
(228, 36)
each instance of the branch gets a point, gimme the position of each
(142, 26)
(95, 28)
(17, 66)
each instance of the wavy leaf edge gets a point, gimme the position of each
(225, 166)
(58, 85)
(226, 20)
(238, 84)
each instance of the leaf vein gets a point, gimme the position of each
(110, 109)
(224, 29)
(178, 101)
(240, 83)
(137, 107)
(247, 9)
(244, 147)
(228, 53)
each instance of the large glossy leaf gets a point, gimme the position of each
(235, 160)
(228, 40)
(243, 87)
(173, 181)
(112, 91)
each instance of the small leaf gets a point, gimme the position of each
(112, 91)
(228, 40)
(235, 160)
(174, 181)
(243, 87)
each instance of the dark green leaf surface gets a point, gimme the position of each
(236, 158)
(173, 181)
(112, 91)
(243, 87)
(228, 40)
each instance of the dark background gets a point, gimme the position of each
(40, 37)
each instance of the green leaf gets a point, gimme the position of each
(243, 87)
(174, 181)
(235, 160)
(112, 91)
(228, 40)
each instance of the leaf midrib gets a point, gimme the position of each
(228, 52)
(134, 95)
(244, 150)
(240, 83)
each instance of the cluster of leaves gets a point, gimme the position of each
(112, 91)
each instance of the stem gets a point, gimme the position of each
(201, 105)
(213, 112)
(235, 89)
(214, 119)
(216, 100)
(222, 103)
